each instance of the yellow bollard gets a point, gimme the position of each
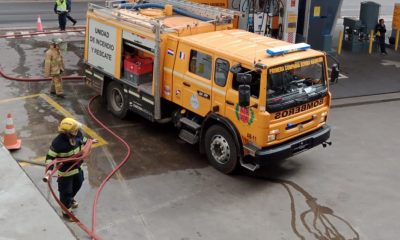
(396, 44)
(339, 48)
(371, 40)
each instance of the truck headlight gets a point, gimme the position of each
(272, 135)
(324, 115)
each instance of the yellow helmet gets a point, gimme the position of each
(68, 125)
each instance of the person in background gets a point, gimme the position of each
(380, 30)
(69, 142)
(60, 8)
(54, 67)
(69, 6)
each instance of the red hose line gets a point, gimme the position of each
(126, 158)
(38, 33)
(91, 233)
(36, 79)
(57, 164)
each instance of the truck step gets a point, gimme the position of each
(251, 148)
(249, 164)
(189, 123)
(187, 136)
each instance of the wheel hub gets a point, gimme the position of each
(118, 100)
(220, 149)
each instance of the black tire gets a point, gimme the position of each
(117, 100)
(221, 149)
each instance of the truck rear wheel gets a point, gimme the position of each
(117, 100)
(221, 149)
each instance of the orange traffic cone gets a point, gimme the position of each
(11, 142)
(39, 26)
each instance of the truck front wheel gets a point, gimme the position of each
(221, 149)
(117, 100)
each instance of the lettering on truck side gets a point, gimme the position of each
(101, 47)
(301, 108)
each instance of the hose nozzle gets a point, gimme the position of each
(46, 177)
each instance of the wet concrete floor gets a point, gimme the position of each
(168, 191)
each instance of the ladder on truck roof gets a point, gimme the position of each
(215, 14)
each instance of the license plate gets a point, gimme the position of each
(301, 146)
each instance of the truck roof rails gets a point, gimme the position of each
(217, 14)
(114, 13)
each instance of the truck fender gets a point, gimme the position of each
(213, 118)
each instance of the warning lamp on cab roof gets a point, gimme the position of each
(287, 49)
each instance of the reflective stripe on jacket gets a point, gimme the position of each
(61, 148)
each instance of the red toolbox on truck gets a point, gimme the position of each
(138, 70)
(138, 65)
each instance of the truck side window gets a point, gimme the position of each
(221, 72)
(200, 64)
(255, 83)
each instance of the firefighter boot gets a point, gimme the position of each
(75, 204)
(66, 216)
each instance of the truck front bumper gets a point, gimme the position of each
(293, 147)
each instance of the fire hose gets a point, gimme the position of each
(36, 79)
(57, 163)
(85, 152)
(41, 33)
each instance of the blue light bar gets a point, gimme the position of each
(287, 49)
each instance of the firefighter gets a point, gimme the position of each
(61, 9)
(380, 30)
(68, 143)
(54, 67)
(69, 8)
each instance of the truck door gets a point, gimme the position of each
(245, 119)
(195, 73)
(221, 74)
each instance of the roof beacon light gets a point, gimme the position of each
(287, 49)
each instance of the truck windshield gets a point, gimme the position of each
(295, 83)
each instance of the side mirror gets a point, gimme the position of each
(244, 78)
(244, 95)
(236, 68)
(335, 73)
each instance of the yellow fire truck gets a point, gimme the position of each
(245, 99)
